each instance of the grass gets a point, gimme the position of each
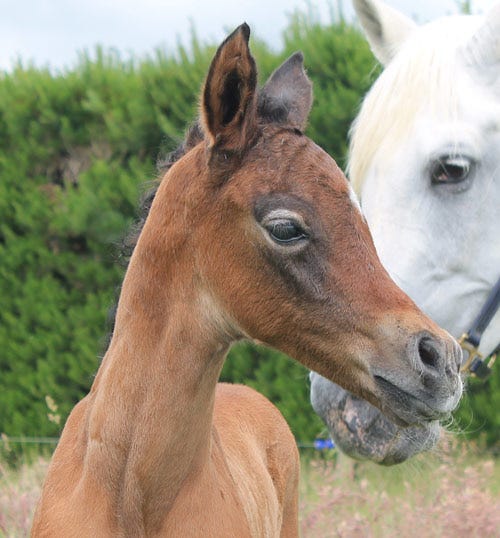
(19, 492)
(451, 495)
(454, 494)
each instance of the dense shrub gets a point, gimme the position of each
(75, 152)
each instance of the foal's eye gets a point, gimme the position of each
(285, 231)
(451, 169)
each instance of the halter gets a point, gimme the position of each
(475, 364)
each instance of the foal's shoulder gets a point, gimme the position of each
(249, 424)
(258, 443)
(247, 409)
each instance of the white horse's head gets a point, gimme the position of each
(425, 161)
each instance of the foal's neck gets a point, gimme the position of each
(152, 401)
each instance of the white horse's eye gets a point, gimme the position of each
(450, 169)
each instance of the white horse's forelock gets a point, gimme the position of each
(428, 59)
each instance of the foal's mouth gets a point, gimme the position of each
(405, 408)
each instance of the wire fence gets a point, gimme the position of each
(317, 444)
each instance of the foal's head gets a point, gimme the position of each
(262, 226)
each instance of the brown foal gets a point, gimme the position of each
(253, 233)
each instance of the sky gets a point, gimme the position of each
(53, 32)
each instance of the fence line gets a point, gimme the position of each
(318, 444)
(29, 440)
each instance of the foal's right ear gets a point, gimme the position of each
(287, 96)
(228, 108)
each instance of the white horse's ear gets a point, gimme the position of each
(385, 28)
(483, 49)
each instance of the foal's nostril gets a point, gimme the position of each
(428, 353)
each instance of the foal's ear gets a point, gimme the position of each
(287, 96)
(385, 28)
(228, 108)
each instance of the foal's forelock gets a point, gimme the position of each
(421, 79)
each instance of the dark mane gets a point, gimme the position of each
(193, 136)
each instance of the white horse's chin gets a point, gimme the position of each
(362, 432)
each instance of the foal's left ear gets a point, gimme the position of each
(228, 108)
(287, 96)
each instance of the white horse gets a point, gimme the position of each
(425, 161)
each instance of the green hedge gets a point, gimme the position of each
(76, 151)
